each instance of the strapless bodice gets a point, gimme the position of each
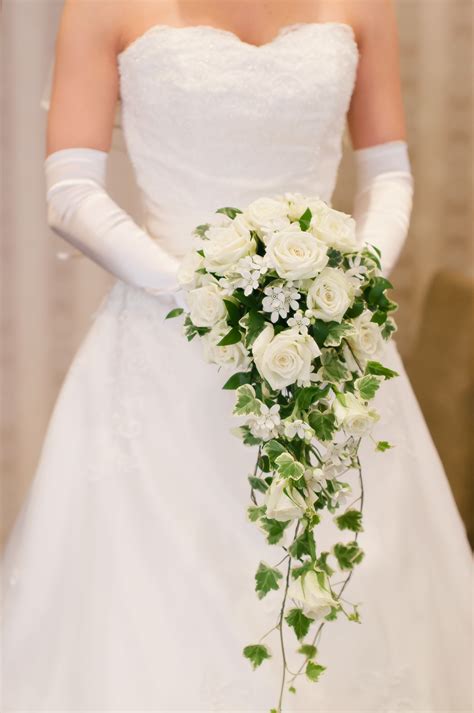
(210, 120)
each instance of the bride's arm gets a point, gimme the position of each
(79, 135)
(384, 188)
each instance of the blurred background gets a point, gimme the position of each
(47, 303)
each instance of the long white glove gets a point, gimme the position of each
(383, 198)
(81, 211)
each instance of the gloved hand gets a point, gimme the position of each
(383, 198)
(81, 211)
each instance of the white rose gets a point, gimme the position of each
(335, 228)
(330, 295)
(206, 305)
(265, 215)
(311, 592)
(232, 355)
(366, 341)
(298, 203)
(296, 254)
(187, 276)
(286, 358)
(283, 501)
(226, 244)
(354, 416)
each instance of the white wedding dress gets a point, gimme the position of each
(129, 576)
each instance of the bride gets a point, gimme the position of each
(128, 575)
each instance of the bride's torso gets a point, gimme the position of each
(210, 120)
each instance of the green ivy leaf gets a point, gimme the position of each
(308, 650)
(266, 579)
(273, 449)
(230, 212)
(299, 571)
(305, 219)
(236, 380)
(374, 367)
(368, 386)
(314, 671)
(350, 520)
(322, 564)
(388, 328)
(255, 512)
(247, 402)
(304, 545)
(348, 555)
(232, 337)
(355, 309)
(337, 332)
(274, 529)
(258, 484)
(334, 370)
(332, 616)
(323, 424)
(299, 622)
(256, 653)
(174, 313)
(383, 446)
(291, 689)
(309, 395)
(288, 467)
(335, 257)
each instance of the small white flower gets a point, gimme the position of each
(297, 427)
(279, 299)
(265, 425)
(341, 495)
(300, 321)
(315, 479)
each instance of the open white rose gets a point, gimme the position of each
(235, 356)
(330, 295)
(296, 254)
(355, 417)
(283, 501)
(206, 305)
(286, 358)
(311, 592)
(335, 228)
(187, 276)
(226, 244)
(265, 215)
(366, 340)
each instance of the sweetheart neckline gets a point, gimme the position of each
(282, 32)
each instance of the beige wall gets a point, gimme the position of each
(47, 304)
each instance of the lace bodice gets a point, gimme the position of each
(211, 121)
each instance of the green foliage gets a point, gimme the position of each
(305, 220)
(200, 230)
(232, 337)
(356, 309)
(322, 564)
(174, 313)
(348, 554)
(337, 332)
(335, 257)
(304, 545)
(238, 379)
(273, 449)
(323, 424)
(266, 579)
(375, 367)
(274, 529)
(247, 402)
(310, 395)
(350, 520)
(288, 467)
(299, 622)
(256, 653)
(383, 446)
(255, 512)
(234, 312)
(334, 370)
(308, 650)
(367, 386)
(314, 671)
(230, 212)
(255, 323)
(258, 484)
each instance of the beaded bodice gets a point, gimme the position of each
(211, 121)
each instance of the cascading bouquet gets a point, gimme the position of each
(281, 293)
